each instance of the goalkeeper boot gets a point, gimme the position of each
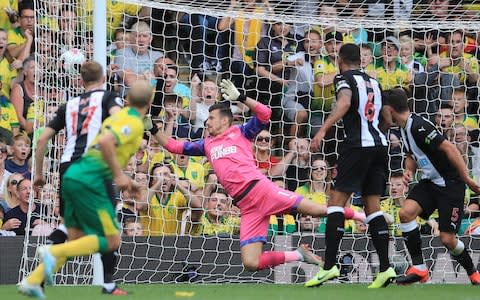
(475, 278)
(413, 275)
(323, 276)
(308, 256)
(31, 290)
(49, 262)
(116, 291)
(383, 279)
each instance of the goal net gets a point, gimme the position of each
(283, 53)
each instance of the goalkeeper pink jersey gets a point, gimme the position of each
(230, 153)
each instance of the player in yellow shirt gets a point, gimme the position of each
(87, 190)
(389, 71)
(164, 212)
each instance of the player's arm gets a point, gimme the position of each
(55, 125)
(172, 145)
(410, 167)
(342, 105)
(457, 161)
(261, 111)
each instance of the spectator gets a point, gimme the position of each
(162, 64)
(389, 71)
(463, 66)
(174, 119)
(28, 105)
(325, 70)
(247, 34)
(194, 172)
(8, 66)
(18, 163)
(16, 218)
(132, 228)
(391, 206)
(168, 198)
(358, 35)
(366, 55)
(263, 152)
(296, 102)
(217, 219)
(204, 95)
(130, 207)
(309, 224)
(8, 17)
(10, 195)
(8, 116)
(459, 103)
(3, 176)
(407, 55)
(444, 118)
(137, 60)
(298, 170)
(20, 39)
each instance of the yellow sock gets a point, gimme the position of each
(83, 246)
(38, 275)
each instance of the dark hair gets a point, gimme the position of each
(397, 99)
(158, 165)
(219, 190)
(459, 89)
(396, 174)
(224, 110)
(350, 54)
(446, 106)
(26, 4)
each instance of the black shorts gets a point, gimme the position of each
(449, 201)
(362, 170)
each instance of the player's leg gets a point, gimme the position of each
(419, 203)
(308, 207)
(380, 237)
(450, 212)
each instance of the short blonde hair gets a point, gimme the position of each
(140, 94)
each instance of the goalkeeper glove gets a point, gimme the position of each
(149, 125)
(230, 92)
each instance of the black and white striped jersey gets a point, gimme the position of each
(421, 140)
(363, 118)
(82, 117)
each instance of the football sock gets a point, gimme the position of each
(463, 258)
(333, 235)
(80, 247)
(379, 230)
(269, 259)
(108, 260)
(411, 234)
(351, 214)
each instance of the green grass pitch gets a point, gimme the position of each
(258, 292)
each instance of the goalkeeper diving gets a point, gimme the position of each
(229, 149)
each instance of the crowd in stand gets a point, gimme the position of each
(290, 67)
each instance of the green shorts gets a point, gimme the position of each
(88, 202)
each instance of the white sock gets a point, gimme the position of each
(109, 286)
(421, 267)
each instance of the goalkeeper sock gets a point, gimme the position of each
(411, 234)
(38, 275)
(333, 235)
(80, 247)
(463, 258)
(269, 259)
(108, 260)
(379, 231)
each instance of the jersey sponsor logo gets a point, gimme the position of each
(432, 135)
(423, 162)
(219, 152)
